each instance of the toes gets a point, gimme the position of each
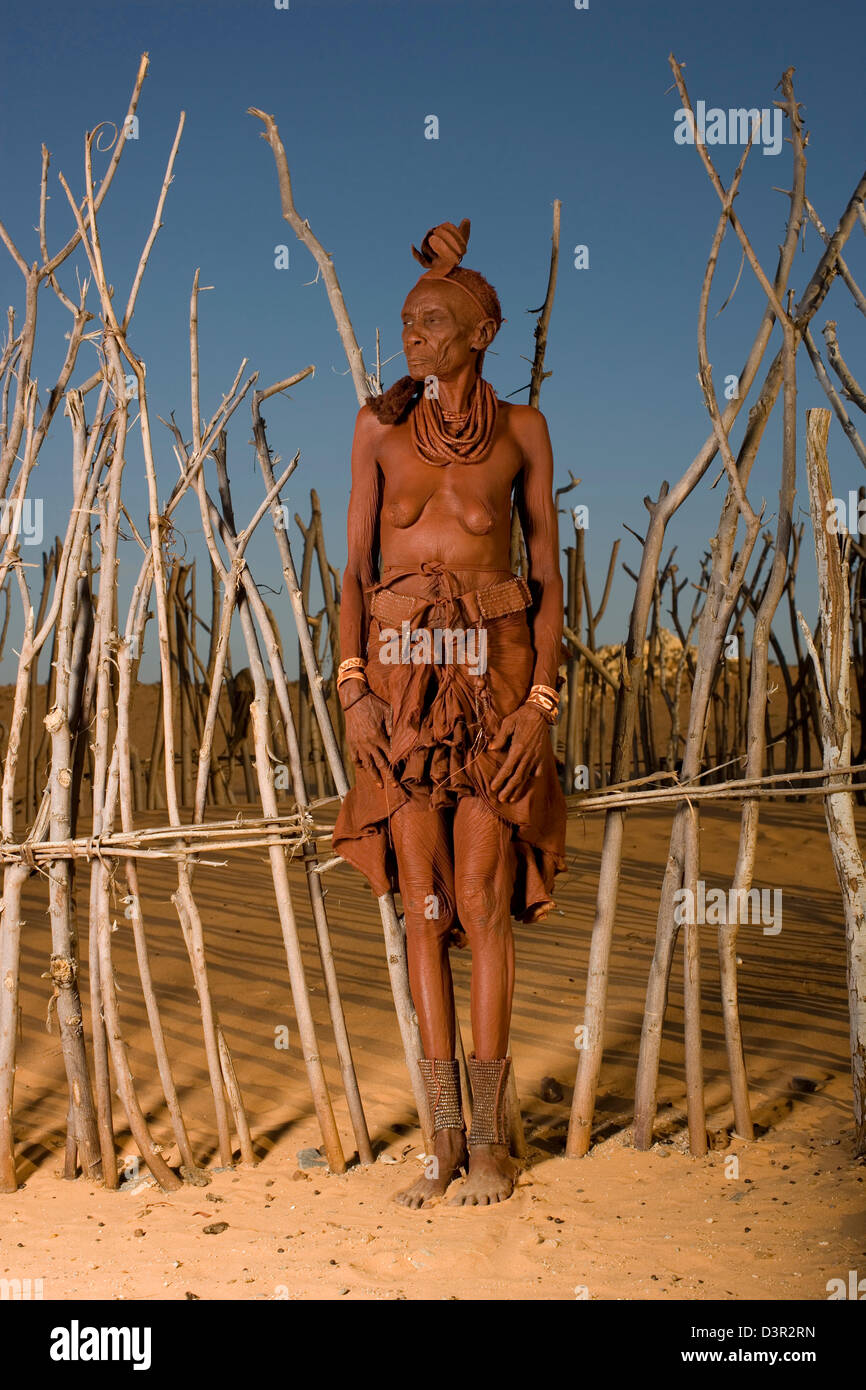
(412, 1200)
(480, 1199)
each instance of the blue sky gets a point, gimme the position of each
(535, 102)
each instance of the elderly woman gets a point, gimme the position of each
(450, 684)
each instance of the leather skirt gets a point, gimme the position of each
(448, 696)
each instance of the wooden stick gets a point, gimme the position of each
(314, 886)
(264, 775)
(697, 1118)
(301, 227)
(669, 500)
(394, 946)
(236, 1101)
(10, 946)
(833, 680)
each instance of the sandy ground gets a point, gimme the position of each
(777, 1223)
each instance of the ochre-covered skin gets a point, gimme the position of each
(470, 819)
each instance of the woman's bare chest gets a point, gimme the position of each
(477, 496)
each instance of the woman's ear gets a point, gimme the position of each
(483, 334)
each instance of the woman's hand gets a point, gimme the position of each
(525, 732)
(368, 729)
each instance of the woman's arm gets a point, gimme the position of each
(537, 510)
(525, 731)
(363, 522)
(368, 719)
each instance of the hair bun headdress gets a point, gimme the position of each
(443, 248)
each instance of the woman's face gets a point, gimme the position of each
(441, 334)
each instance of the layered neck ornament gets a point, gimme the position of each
(441, 252)
(471, 443)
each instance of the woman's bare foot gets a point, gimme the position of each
(492, 1175)
(440, 1169)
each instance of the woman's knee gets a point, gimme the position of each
(427, 909)
(483, 901)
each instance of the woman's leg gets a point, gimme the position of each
(484, 868)
(422, 843)
(484, 878)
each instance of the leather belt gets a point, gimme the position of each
(509, 596)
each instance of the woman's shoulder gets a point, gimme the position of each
(524, 421)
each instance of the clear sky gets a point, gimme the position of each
(535, 101)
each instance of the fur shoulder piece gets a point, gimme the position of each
(394, 405)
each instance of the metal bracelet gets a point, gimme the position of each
(550, 712)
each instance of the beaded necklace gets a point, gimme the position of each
(471, 444)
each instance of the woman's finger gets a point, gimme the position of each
(382, 766)
(374, 758)
(505, 773)
(514, 787)
(500, 738)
